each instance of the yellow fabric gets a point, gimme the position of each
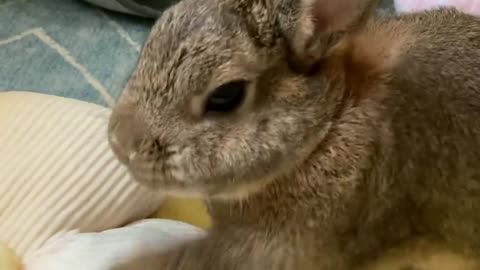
(190, 211)
(8, 260)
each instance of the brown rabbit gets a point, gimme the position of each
(318, 137)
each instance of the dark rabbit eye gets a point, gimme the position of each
(227, 98)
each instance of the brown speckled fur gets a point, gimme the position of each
(357, 135)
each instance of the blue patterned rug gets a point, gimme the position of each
(69, 48)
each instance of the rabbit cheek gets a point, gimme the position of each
(177, 166)
(144, 171)
(161, 170)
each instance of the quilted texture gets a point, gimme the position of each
(58, 172)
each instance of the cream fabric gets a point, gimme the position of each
(57, 172)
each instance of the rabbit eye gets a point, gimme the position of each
(226, 98)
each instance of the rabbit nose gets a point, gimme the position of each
(125, 133)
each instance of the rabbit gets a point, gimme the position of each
(319, 135)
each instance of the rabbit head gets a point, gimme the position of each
(229, 94)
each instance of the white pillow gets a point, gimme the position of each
(111, 248)
(57, 172)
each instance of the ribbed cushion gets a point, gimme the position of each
(58, 173)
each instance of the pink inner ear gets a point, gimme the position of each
(468, 6)
(337, 14)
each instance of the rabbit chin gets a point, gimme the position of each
(239, 191)
(236, 192)
(232, 193)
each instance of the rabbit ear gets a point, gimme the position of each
(260, 19)
(310, 27)
(338, 15)
(320, 22)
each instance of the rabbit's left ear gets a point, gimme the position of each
(309, 27)
(318, 23)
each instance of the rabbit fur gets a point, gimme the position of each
(351, 134)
